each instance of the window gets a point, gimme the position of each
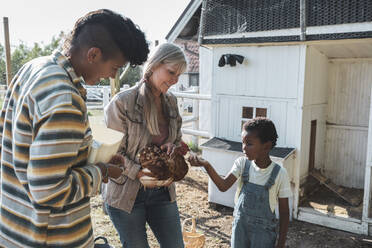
(249, 113)
(261, 112)
(194, 79)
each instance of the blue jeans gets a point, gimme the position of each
(154, 207)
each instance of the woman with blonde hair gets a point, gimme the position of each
(147, 114)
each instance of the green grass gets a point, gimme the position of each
(193, 147)
(95, 112)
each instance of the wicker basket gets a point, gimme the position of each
(192, 239)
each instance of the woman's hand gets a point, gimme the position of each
(169, 148)
(142, 173)
(194, 160)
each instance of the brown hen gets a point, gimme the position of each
(161, 165)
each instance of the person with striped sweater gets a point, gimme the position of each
(46, 182)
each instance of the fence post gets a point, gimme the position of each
(195, 114)
(7, 52)
(115, 84)
(106, 96)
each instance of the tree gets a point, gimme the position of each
(132, 77)
(22, 54)
(2, 65)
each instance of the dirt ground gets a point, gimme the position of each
(215, 221)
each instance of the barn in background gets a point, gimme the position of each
(185, 33)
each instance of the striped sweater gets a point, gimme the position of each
(46, 183)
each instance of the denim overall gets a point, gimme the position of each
(254, 223)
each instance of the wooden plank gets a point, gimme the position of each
(344, 193)
(368, 172)
(320, 214)
(345, 224)
(367, 241)
(349, 60)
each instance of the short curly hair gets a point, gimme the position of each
(264, 128)
(110, 32)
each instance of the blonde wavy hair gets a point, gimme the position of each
(166, 53)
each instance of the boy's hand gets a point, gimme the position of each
(109, 170)
(114, 171)
(194, 160)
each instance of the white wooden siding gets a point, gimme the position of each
(205, 86)
(314, 107)
(367, 183)
(369, 150)
(316, 78)
(292, 124)
(348, 117)
(349, 93)
(368, 186)
(266, 72)
(367, 201)
(346, 156)
(230, 117)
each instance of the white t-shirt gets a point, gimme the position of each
(281, 188)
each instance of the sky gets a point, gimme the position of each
(39, 20)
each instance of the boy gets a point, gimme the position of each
(46, 182)
(261, 183)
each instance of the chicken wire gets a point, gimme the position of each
(238, 16)
(331, 12)
(221, 17)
